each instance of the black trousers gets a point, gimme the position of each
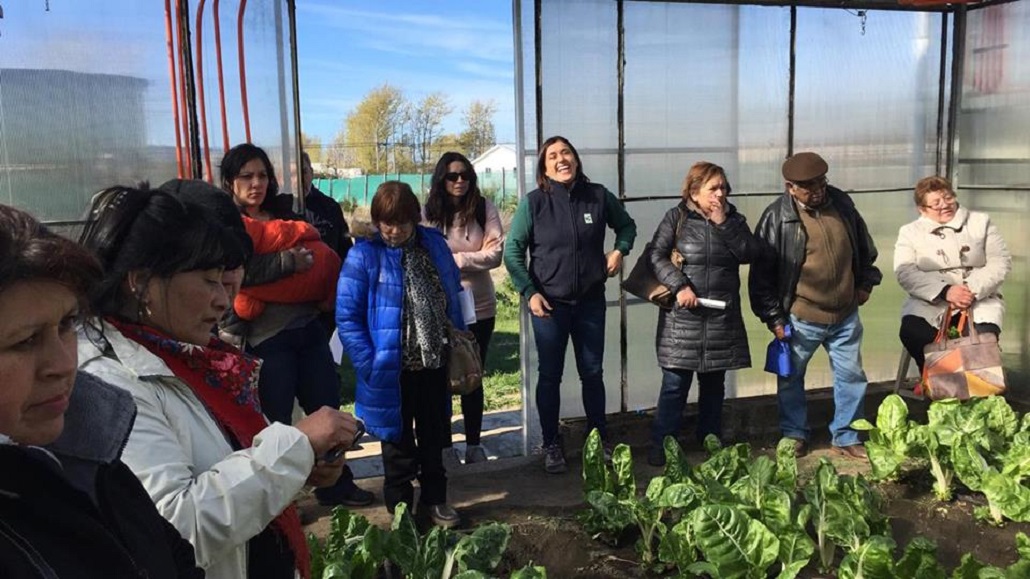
(472, 403)
(419, 453)
(916, 333)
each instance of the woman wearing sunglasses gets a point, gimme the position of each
(472, 226)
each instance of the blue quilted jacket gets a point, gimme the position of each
(369, 304)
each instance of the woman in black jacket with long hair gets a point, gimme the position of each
(714, 240)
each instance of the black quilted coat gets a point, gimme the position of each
(703, 339)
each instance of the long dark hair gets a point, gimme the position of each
(440, 212)
(151, 231)
(31, 252)
(541, 169)
(233, 162)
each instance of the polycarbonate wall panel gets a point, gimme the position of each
(994, 150)
(703, 82)
(84, 102)
(866, 96)
(85, 96)
(268, 77)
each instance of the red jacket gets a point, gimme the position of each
(317, 284)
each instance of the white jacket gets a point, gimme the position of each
(217, 498)
(968, 249)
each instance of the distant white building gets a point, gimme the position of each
(496, 159)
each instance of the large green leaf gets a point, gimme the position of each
(404, 542)
(608, 514)
(625, 485)
(920, 561)
(776, 510)
(678, 496)
(677, 469)
(1016, 461)
(970, 465)
(786, 464)
(482, 549)
(872, 560)
(969, 568)
(596, 476)
(736, 544)
(796, 550)
(678, 546)
(1007, 495)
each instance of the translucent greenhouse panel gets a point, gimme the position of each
(705, 82)
(994, 152)
(867, 93)
(84, 102)
(86, 98)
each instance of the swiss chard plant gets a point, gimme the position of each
(356, 549)
(846, 512)
(888, 444)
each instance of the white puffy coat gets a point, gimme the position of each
(968, 249)
(217, 498)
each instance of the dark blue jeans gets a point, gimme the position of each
(668, 417)
(584, 323)
(297, 363)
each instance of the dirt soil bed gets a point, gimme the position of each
(542, 508)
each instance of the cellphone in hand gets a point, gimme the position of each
(336, 452)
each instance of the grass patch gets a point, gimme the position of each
(502, 381)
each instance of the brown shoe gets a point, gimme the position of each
(854, 451)
(800, 448)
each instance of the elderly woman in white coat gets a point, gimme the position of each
(948, 256)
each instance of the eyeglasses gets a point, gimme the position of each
(464, 175)
(813, 185)
(945, 202)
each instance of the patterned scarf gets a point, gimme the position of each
(425, 307)
(225, 380)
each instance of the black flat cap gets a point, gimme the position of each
(804, 167)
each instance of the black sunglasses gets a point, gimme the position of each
(453, 177)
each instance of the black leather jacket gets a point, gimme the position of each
(773, 279)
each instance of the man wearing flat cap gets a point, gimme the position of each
(817, 271)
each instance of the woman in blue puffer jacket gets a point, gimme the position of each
(397, 293)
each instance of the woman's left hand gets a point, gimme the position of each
(614, 259)
(325, 474)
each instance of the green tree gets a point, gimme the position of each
(444, 143)
(373, 128)
(312, 146)
(424, 120)
(478, 135)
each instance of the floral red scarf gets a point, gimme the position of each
(225, 380)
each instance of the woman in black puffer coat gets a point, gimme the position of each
(714, 239)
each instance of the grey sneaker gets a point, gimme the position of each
(475, 453)
(451, 459)
(554, 459)
(443, 515)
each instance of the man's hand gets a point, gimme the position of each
(778, 331)
(686, 298)
(614, 259)
(960, 296)
(539, 306)
(863, 297)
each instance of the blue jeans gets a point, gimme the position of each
(584, 323)
(842, 342)
(668, 417)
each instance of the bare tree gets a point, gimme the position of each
(424, 120)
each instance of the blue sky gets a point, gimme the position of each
(463, 48)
